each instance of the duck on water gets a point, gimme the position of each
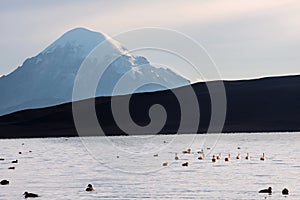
(285, 191)
(4, 182)
(89, 188)
(268, 191)
(30, 195)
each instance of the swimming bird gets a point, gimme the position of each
(214, 159)
(20, 152)
(4, 182)
(165, 164)
(185, 164)
(176, 156)
(227, 159)
(155, 155)
(202, 157)
(14, 161)
(219, 157)
(89, 188)
(188, 151)
(247, 156)
(269, 191)
(263, 157)
(11, 168)
(285, 191)
(200, 152)
(238, 156)
(30, 195)
(2, 159)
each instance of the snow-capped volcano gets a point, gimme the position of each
(83, 39)
(48, 78)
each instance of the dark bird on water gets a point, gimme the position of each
(227, 159)
(247, 157)
(14, 161)
(2, 159)
(185, 164)
(30, 195)
(214, 159)
(285, 191)
(4, 182)
(176, 156)
(188, 151)
(11, 168)
(269, 190)
(89, 188)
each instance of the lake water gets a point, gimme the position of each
(126, 168)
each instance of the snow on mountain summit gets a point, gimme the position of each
(48, 78)
(82, 38)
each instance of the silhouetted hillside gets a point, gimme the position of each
(262, 105)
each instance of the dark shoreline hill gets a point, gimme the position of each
(261, 105)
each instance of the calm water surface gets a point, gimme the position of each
(125, 168)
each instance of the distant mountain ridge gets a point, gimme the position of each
(261, 105)
(48, 78)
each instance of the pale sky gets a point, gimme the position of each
(246, 39)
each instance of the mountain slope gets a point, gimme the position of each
(48, 78)
(262, 105)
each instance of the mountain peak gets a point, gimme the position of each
(78, 37)
(48, 78)
(80, 31)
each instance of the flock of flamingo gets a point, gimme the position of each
(214, 158)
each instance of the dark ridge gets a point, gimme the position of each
(261, 105)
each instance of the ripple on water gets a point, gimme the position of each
(61, 169)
